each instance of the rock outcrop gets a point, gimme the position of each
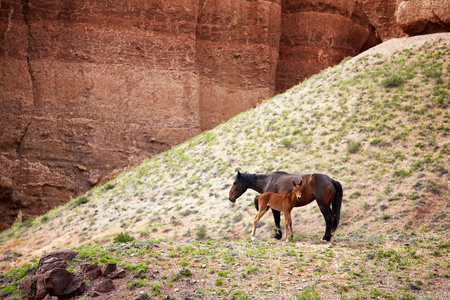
(53, 280)
(88, 88)
(423, 17)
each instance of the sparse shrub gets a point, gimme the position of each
(185, 272)
(286, 142)
(392, 81)
(239, 294)
(308, 294)
(123, 237)
(81, 200)
(9, 289)
(356, 194)
(402, 173)
(237, 218)
(140, 270)
(219, 281)
(201, 233)
(137, 283)
(109, 186)
(416, 286)
(413, 196)
(432, 186)
(353, 147)
(155, 288)
(378, 142)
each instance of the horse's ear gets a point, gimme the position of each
(238, 171)
(293, 183)
(301, 181)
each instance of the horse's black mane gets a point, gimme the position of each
(248, 179)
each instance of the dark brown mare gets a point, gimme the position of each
(320, 187)
(280, 202)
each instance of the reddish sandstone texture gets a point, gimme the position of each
(88, 88)
(423, 16)
(318, 34)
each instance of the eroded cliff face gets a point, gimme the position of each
(88, 88)
(237, 53)
(318, 34)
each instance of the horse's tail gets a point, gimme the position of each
(336, 205)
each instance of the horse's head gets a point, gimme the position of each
(239, 187)
(298, 188)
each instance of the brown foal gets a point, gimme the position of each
(280, 202)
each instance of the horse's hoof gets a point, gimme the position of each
(253, 238)
(278, 235)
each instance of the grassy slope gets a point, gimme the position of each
(377, 123)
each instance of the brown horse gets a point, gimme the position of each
(320, 187)
(280, 202)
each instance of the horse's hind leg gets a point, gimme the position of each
(329, 220)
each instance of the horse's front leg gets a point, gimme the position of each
(287, 225)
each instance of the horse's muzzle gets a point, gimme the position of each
(232, 199)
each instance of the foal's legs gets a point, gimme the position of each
(276, 218)
(287, 224)
(259, 215)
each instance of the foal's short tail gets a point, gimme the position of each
(336, 205)
(257, 205)
(256, 202)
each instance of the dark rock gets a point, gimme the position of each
(144, 296)
(95, 294)
(50, 297)
(109, 269)
(35, 288)
(418, 185)
(104, 286)
(120, 274)
(60, 282)
(91, 271)
(55, 259)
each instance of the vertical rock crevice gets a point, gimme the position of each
(25, 10)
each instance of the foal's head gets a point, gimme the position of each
(298, 188)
